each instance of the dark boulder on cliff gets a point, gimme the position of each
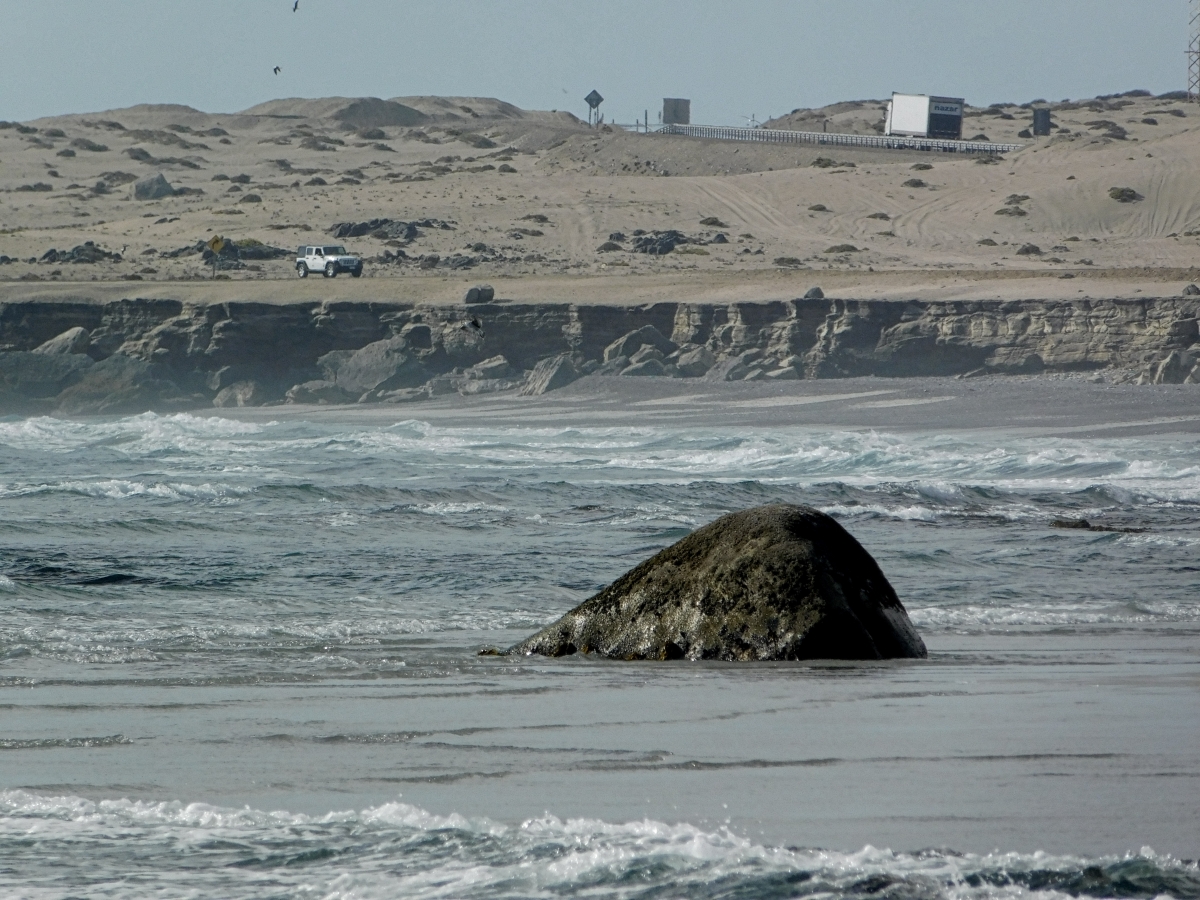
(772, 583)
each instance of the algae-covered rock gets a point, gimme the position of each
(772, 583)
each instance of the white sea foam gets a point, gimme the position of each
(1153, 469)
(120, 489)
(1017, 614)
(115, 640)
(146, 433)
(904, 513)
(397, 849)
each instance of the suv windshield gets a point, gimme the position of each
(334, 251)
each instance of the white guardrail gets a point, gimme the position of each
(894, 142)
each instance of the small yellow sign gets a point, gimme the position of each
(217, 244)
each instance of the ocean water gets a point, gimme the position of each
(238, 659)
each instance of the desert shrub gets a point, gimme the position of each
(478, 141)
(1124, 194)
(85, 144)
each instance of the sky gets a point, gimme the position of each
(732, 58)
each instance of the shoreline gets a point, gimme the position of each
(1023, 406)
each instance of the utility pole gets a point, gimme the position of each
(1193, 53)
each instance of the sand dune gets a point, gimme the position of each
(533, 195)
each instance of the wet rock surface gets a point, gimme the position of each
(773, 583)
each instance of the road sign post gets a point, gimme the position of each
(216, 244)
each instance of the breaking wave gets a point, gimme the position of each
(132, 849)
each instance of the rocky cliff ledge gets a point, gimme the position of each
(80, 357)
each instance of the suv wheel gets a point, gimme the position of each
(356, 273)
(301, 270)
(331, 270)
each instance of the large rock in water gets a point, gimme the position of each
(771, 583)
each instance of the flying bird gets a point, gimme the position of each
(278, 70)
(296, 5)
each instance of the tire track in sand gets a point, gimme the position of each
(753, 211)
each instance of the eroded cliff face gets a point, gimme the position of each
(901, 339)
(80, 357)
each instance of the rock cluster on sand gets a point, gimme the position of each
(773, 583)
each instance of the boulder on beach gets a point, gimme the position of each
(550, 375)
(317, 392)
(773, 583)
(152, 187)
(480, 293)
(241, 393)
(381, 366)
(695, 361)
(635, 340)
(120, 385)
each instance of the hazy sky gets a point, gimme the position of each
(731, 57)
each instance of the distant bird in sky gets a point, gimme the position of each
(296, 5)
(278, 70)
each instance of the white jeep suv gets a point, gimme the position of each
(328, 260)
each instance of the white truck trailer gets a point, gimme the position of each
(919, 115)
